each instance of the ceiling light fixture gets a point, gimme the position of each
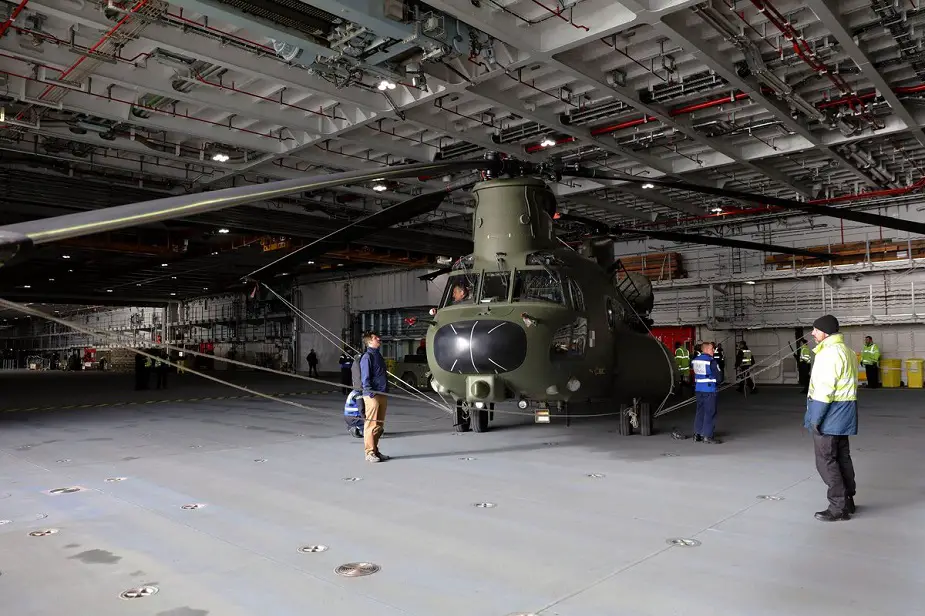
(173, 293)
(220, 157)
(380, 187)
(27, 286)
(65, 256)
(647, 185)
(547, 142)
(224, 231)
(717, 210)
(109, 290)
(163, 265)
(310, 262)
(749, 282)
(51, 280)
(385, 84)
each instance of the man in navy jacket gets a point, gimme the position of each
(374, 378)
(707, 376)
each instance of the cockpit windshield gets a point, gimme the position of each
(538, 285)
(495, 287)
(460, 289)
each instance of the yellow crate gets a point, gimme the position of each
(891, 372)
(915, 368)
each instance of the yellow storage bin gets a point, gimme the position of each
(891, 372)
(914, 371)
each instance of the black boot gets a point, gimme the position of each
(698, 438)
(711, 440)
(828, 516)
(850, 507)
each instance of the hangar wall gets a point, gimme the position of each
(726, 289)
(332, 302)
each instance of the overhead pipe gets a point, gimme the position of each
(6, 25)
(154, 109)
(887, 192)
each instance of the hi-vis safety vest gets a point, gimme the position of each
(871, 355)
(835, 372)
(805, 355)
(704, 378)
(683, 358)
(746, 357)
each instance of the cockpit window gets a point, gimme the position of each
(538, 285)
(460, 289)
(495, 286)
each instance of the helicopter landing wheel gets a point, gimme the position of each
(645, 419)
(481, 420)
(463, 419)
(626, 429)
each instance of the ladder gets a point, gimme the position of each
(625, 284)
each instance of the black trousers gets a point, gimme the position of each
(805, 370)
(346, 378)
(873, 376)
(833, 461)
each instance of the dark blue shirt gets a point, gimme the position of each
(707, 375)
(373, 374)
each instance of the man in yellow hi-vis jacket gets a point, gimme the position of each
(832, 416)
(870, 359)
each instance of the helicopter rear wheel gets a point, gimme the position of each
(626, 429)
(645, 419)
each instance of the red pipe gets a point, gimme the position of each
(558, 13)
(6, 25)
(139, 5)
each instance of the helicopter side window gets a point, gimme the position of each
(538, 285)
(578, 298)
(460, 289)
(495, 287)
(570, 341)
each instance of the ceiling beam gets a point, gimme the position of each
(673, 26)
(831, 19)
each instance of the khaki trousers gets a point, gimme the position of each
(375, 407)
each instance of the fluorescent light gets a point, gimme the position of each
(224, 231)
(717, 210)
(380, 187)
(65, 256)
(109, 290)
(310, 262)
(547, 143)
(163, 265)
(220, 158)
(27, 286)
(385, 84)
(647, 185)
(749, 282)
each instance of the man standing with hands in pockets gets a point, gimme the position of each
(832, 416)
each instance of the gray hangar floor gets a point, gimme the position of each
(582, 521)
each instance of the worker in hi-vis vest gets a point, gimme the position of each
(744, 363)
(804, 359)
(682, 358)
(870, 359)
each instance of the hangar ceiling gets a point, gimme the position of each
(108, 102)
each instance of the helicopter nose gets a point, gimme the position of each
(480, 347)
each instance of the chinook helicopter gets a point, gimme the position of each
(523, 318)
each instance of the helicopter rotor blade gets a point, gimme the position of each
(368, 225)
(692, 238)
(806, 206)
(723, 241)
(133, 214)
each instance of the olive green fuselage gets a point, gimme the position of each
(539, 322)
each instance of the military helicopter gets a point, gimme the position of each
(523, 318)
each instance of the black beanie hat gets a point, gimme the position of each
(827, 324)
